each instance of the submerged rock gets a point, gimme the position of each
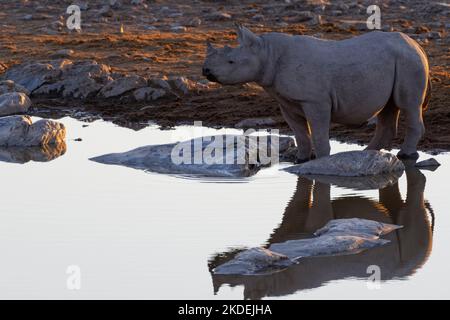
(20, 131)
(351, 164)
(217, 156)
(14, 102)
(340, 236)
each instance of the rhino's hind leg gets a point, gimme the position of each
(386, 130)
(415, 128)
(410, 90)
(414, 132)
(300, 126)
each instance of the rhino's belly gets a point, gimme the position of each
(356, 115)
(357, 104)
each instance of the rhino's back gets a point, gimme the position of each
(351, 73)
(384, 46)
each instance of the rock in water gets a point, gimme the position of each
(38, 154)
(20, 131)
(351, 164)
(340, 236)
(232, 158)
(14, 102)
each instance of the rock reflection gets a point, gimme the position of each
(23, 155)
(311, 208)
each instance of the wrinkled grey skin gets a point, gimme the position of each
(321, 81)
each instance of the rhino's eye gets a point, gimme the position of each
(230, 61)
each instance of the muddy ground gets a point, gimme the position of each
(155, 38)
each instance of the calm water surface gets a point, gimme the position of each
(138, 235)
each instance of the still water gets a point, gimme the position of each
(138, 235)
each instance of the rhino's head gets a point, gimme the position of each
(234, 65)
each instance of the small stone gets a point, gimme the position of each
(433, 35)
(183, 84)
(178, 29)
(258, 17)
(432, 162)
(63, 53)
(218, 16)
(195, 22)
(148, 94)
(160, 83)
(335, 12)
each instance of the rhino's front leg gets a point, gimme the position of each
(300, 127)
(319, 117)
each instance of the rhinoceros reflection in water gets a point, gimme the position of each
(39, 153)
(311, 208)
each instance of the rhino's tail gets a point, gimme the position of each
(426, 101)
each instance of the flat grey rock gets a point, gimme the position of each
(14, 102)
(337, 237)
(30, 75)
(234, 160)
(20, 131)
(351, 164)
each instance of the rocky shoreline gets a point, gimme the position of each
(145, 65)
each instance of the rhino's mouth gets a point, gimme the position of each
(212, 78)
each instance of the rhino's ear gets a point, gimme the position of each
(246, 38)
(227, 49)
(209, 48)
